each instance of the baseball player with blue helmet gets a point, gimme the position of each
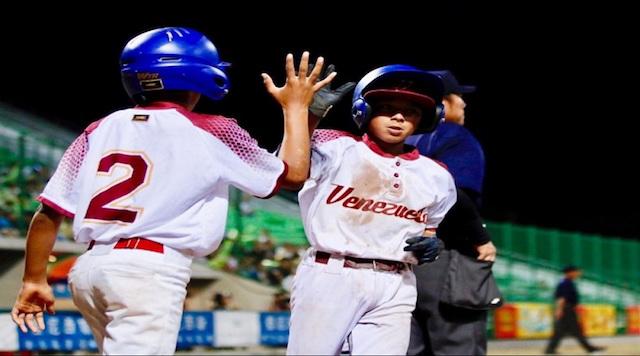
(147, 189)
(369, 208)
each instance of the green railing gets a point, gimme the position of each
(532, 259)
(30, 149)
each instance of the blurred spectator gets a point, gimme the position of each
(264, 248)
(280, 301)
(19, 188)
(223, 301)
(249, 267)
(245, 204)
(566, 318)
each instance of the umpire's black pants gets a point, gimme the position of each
(567, 325)
(441, 329)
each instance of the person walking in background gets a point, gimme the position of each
(567, 299)
(441, 328)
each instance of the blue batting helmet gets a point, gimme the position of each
(173, 58)
(398, 80)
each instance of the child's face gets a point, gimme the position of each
(394, 120)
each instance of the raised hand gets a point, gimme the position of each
(299, 87)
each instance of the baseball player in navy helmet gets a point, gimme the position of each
(369, 208)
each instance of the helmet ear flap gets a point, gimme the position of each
(361, 112)
(430, 123)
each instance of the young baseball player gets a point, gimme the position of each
(147, 189)
(368, 207)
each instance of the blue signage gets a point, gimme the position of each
(274, 328)
(196, 329)
(64, 331)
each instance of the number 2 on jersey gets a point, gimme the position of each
(104, 204)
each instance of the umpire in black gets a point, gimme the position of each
(566, 318)
(440, 328)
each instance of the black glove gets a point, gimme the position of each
(325, 98)
(425, 249)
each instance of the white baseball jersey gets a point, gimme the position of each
(159, 172)
(360, 201)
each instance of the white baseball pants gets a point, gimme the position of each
(132, 299)
(367, 311)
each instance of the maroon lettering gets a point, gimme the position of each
(335, 192)
(349, 201)
(378, 207)
(365, 204)
(390, 209)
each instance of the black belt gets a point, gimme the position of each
(371, 263)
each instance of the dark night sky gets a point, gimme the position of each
(554, 106)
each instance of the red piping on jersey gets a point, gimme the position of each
(94, 125)
(442, 164)
(409, 156)
(276, 189)
(55, 207)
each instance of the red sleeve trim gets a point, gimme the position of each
(440, 163)
(55, 207)
(281, 178)
(94, 125)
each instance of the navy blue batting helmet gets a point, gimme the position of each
(173, 58)
(399, 80)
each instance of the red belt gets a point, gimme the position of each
(356, 262)
(136, 243)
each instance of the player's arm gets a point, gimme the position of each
(560, 302)
(35, 296)
(295, 97)
(465, 213)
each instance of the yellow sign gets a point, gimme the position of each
(597, 319)
(535, 320)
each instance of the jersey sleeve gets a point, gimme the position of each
(239, 159)
(61, 192)
(444, 201)
(325, 149)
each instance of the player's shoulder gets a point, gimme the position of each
(324, 136)
(434, 167)
(216, 125)
(197, 118)
(127, 113)
(100, 122)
